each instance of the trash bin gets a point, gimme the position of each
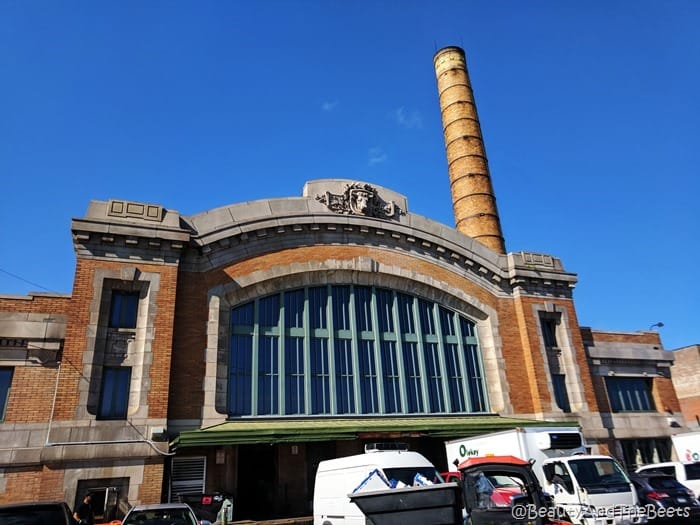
(439, 504)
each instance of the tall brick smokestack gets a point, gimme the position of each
(473, 199)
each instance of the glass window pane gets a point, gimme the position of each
(427, 322)
(5, 382)
(392, 378)
(114, 397)
(363, 308)
(320, 377)
(414, 383)
(385, 305)
(240, 373)
(344, 380)
(294, 394)
(406, 320)
(294, 309)
(560, 394)
(368, 378)
(123, 309)
(341, 308)
(268, 376)
(269, 310)
(318, 303)
(436, 397)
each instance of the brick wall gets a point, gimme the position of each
(520, 339)
(685, 371)
(31, 395)
(151, 488)
(665, 395)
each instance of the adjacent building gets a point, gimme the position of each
(232, 350)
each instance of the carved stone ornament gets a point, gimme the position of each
(360, 199)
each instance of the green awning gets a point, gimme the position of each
(248, 431)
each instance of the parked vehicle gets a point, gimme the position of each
(583, 487)
(54, 512)
(665, 498)
(687, 474)
(375, 469)
(528, 505)
(503, 488)
(161, 514)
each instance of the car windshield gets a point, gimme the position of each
(176, 516)
(597, 472)
(33, 515)
(503, 481)
(407, 475)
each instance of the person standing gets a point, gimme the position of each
(84, 515)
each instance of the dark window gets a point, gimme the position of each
(5, 382)
(123, 310)
(549, 330)
(560, 394)
(629, 394)
(114, 398)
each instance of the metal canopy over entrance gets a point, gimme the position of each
(305, 430)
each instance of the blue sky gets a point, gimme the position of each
(589, 111)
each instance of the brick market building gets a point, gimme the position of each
(234, 349)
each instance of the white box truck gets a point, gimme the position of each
(336, 478)
(588, 490)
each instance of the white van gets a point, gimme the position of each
(336, 478)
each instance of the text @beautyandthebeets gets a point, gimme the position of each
(521, 512)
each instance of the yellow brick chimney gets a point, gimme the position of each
(473, 199)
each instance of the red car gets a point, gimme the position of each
(503, 488)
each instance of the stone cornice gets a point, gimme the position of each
(127, 231)
(123, 230)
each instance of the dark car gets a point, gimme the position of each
(53, 512)
(665, 499)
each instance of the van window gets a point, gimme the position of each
(406, 475)
(692, 471)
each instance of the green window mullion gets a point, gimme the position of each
(331, 349)
(282, 334)
(377, 353)
(421, 355)
(441, 359)
(307, 353)
(255, 360)
(399, 350)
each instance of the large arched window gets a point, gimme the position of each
(344, 349)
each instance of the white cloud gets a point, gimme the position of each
(329, 105)
(406, 119)
(376, 156)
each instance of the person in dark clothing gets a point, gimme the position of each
(84, 515)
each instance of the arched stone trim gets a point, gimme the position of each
(361, 271)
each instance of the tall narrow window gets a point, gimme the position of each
(548, 325)
(123, 309)
(114, 397)
(5, 382)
